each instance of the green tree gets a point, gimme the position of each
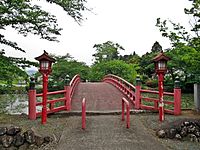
(131, 59)
(146, 64)
(26, 18)
(185, 50)
(116, 67)
(106, 51)
(64, 66)
(9, 71)
(156, 47)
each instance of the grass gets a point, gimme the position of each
(187, 100)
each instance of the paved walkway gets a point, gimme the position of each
(107, 133)
(103, 132)
(100, 96)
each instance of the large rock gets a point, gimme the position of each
(171, 133)
(161, 133)
(3, 131)
(47, 139)
(11, 138)
(186, 123)
(184, 131)
(193, 138)
(39, 140)
(7, 141)
(191, 129)
(197, 133)
(29, 136)
(178, 137)
(13, 130)
(18, 140)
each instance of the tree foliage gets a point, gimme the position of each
(26, 18)
(9, 71)
(146, 64)
(106, 51)
(116, 67)
(67, 66)
(131, 58)
(186, 44)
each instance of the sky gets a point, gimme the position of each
(130, 23)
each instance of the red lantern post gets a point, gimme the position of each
(160, 62)
(45, 69)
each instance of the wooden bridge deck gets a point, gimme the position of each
(99, 96)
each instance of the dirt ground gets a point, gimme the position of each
(104, 131)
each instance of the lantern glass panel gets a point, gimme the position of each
(161, 65)
(44, 65)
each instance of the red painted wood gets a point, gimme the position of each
(147, 107)
(83, 114)
(149, 99)
(44, 99)
(32, 104)
(52, 93)
(177, 101)
(57, 109)
(124, 101)
(169, 111)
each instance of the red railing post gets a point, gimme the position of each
(44, 99)
(137, 96)
(68, 97)
(137, 93)
(83, 114)
(177, 97)
(122, 110)
(32, 104)
(127, 112)
(177, 101)
(128, 116)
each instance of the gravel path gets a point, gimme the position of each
(107, 133)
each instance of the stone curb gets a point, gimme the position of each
(96, 113)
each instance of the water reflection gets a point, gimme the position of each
(14, 103)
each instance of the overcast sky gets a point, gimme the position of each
(131, 23)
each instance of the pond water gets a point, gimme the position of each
(14, 103)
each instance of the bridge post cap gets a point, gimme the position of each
(67, 79)
(177, 83)
(138, 80)
(32, 83)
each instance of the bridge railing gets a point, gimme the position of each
(124, 101)
(172, 101)
(124, 86)
(83, 114)
(64, 100)
(71, 88)
(141, 98)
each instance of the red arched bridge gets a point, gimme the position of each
(103, 96)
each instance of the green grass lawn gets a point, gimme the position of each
(187, 100)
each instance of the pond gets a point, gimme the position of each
(14, 103)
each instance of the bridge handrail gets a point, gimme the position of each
(124, 101)
(73, 83)
(51, 93)
(67, 92)
(120, 79)
(156, 92)
(124, 86)
(134, 93)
